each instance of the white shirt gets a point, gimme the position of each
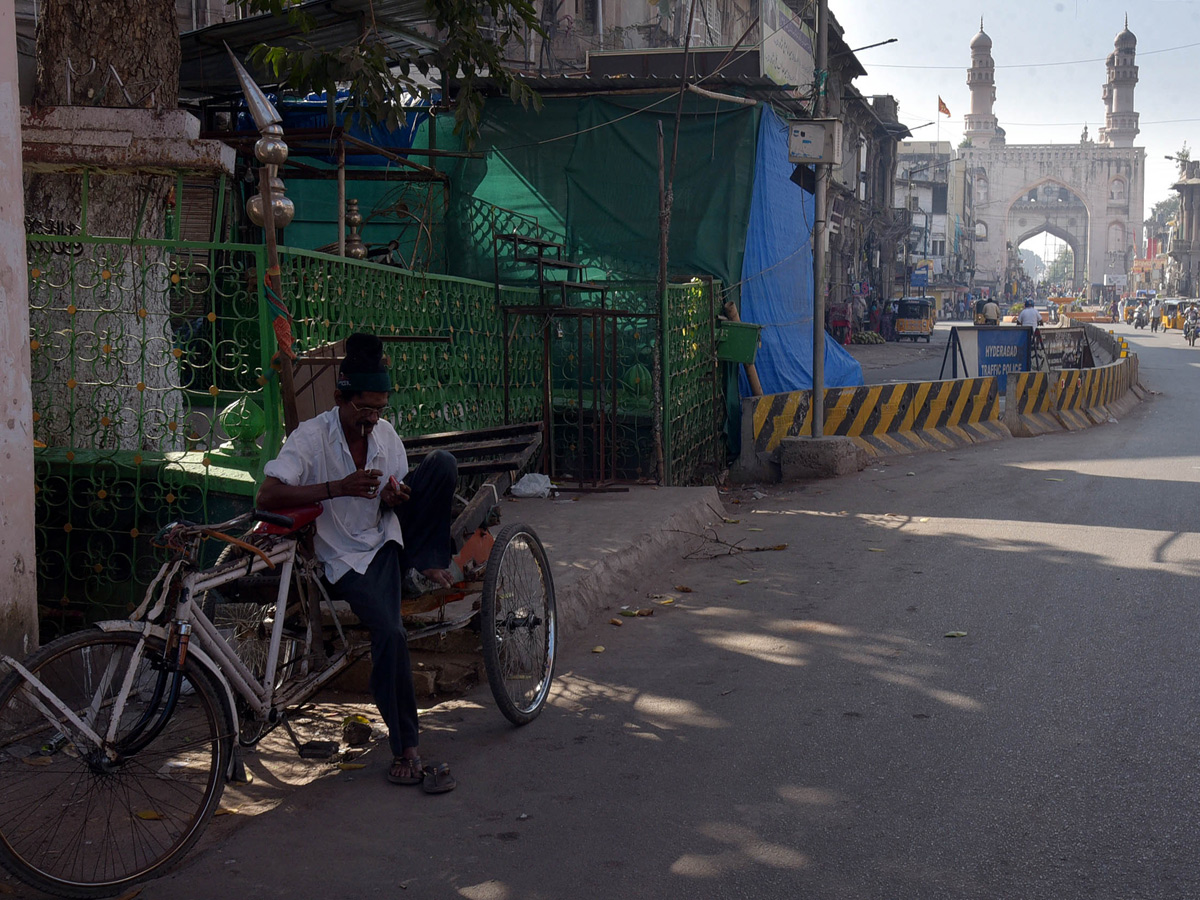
(1029, 316)
(350, 529)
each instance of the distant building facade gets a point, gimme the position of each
(1089, 194)
(935, 185)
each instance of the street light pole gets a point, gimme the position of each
(819, 225)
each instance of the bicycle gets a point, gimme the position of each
(116, 742)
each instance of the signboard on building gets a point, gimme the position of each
(786, 47)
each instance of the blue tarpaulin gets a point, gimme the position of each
(777, 276)
(312, 112)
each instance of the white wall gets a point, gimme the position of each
(18, 580)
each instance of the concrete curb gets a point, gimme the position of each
(629, 560)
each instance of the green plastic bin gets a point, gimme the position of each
(737, 342)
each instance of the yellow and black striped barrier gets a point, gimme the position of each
(882, 419)
(1084, 397)
(1029, 406)
(940, 415)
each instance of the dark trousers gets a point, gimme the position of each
(375, 595)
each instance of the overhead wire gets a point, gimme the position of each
(671, 95)
(1043, 65)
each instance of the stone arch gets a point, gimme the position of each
(1117, 190)
(1058, 208)
(1078, 248)
(1078, 193)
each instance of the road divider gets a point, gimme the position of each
(897, 419)
(884, 420)
(1070, 399)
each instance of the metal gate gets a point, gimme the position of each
(598, 399)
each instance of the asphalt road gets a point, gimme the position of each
(813, 732)
(899, 361)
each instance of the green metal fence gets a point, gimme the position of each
(137, 347)
(444, 334)
(693, 415)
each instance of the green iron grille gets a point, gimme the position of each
(439, 385)
(135, 348)
(694, 404)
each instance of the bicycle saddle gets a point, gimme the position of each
(299, 515)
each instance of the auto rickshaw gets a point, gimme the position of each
(915, 319)
(980, 319)
(1172, 316)
(1130, 309)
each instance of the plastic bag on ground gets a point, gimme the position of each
(532, 485)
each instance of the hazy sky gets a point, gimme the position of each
(1036, 102)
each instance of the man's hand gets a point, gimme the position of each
(395, 492)
(360, 483)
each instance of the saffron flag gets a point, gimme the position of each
(943, 108)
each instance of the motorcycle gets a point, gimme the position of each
(1189, 331)
(1140, 318)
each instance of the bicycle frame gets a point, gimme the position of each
(261, 694)
(211, 650)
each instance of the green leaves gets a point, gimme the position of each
(470, 46)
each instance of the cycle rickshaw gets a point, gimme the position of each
(116, 742)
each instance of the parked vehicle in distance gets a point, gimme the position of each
(916, 318)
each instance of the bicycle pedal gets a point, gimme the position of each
(319, 749)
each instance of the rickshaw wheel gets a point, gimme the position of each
(519, 625)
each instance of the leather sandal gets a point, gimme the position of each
(438, 779)
(406, 771)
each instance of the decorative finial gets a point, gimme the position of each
(981, 23)
(261, 109)
(1126, 20)
(271, 150)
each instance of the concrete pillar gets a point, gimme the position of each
(18, 579)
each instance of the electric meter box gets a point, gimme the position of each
(815, 141)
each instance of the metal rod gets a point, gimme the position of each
(341, 195)
(664, 233)
(822, 187)
(291, 415)
(579, 452)
(548, 399)
(507, 342)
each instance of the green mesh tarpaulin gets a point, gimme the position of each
(585, 171)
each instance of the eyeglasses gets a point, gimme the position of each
(373, 411)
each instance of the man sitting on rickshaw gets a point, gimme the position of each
(991, 313)
(384, 532)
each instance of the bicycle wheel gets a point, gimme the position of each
(78, 824)
(519, 626)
